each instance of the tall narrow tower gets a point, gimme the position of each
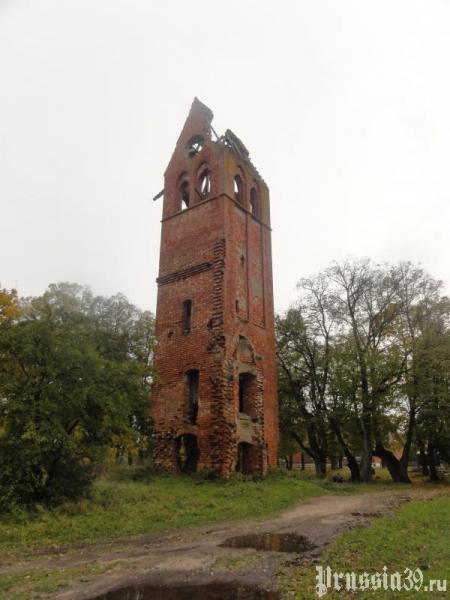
(215, 396)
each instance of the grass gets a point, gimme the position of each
(33, 584)
(122, 507)
(129, 502)
(416, 537)
(247, 560)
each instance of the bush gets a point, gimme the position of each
(33, 472)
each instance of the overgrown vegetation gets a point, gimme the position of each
(130, 502)
(74, 381)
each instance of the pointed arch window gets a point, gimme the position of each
(204, 181)
(254, 202)
(183, 193)
(238, 189)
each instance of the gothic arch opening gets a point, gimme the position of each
(254, 203)
(184, 195)
(204, 181)
(244, 351)
(238, 189)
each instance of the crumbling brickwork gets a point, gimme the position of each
(214, 401)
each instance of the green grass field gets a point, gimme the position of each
(418, 536)
(122, 507)
(130, 502)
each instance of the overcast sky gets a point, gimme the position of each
(343, 104)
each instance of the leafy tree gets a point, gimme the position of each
(9, 305)
(302, 404)
(358, 368)
(65, 391)
(433, 393)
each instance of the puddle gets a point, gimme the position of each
(209, 591)
(275, 542)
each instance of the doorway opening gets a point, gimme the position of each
(187, 452)
(245, 462)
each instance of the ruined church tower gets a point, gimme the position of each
(214, 401)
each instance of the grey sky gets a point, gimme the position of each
(344, 106)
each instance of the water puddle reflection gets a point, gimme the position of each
(210, 591)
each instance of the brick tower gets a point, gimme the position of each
(215, 397)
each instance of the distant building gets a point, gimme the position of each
(215, 399)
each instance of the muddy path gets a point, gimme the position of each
(196, 555)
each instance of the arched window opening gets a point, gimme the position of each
(239, 189)
(195, 145)
(254, 202)
(184, 195)
(204, 182)
(193, 377)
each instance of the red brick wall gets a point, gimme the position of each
(218, 255)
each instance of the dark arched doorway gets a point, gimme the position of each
(245, 459)
(187, 453)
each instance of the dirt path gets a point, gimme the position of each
(195, 555)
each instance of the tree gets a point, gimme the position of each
(418, 305)
(433, 391)
(9, 305)
(343, 405)
(308, 358)
(64, 393)
(366, 308)
(355, 358)
(304, 355)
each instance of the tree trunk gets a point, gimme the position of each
(352, 463)
(340, 461)
(366, 455)
(392, 463)
(334, 462)
(319, 457)
(320, 464)
(423, 462)
(404, 460)
(302, 457)
(432, 463)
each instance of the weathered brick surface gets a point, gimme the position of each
(217, 254)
